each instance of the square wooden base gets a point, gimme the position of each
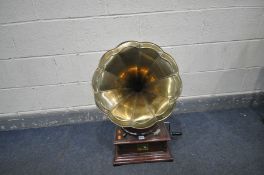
(135, 149)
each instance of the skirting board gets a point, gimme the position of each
(37, 119)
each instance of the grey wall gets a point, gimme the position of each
(50, 49)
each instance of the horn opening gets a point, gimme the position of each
(136, 84)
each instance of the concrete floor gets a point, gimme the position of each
(220, 142)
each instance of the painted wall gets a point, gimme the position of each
(50, 49)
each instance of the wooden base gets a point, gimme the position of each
(139, 149)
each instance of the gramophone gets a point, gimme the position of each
(136, 86)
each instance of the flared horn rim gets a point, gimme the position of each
(111, 94)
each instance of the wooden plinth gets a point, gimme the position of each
(137, 149)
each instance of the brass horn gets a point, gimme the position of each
(136, 84)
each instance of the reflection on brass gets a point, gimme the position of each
(136, 84)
